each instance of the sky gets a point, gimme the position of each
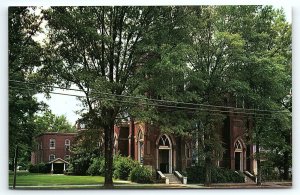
(68, 105)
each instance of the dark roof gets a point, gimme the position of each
(56, 133)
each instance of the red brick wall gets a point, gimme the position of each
(42, 154)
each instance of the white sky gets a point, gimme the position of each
(66, 105)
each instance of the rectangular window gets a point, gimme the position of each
(67, 144)
(52, 143)
(51, 157)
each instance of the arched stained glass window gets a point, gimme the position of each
(238, 145)
(164, 141)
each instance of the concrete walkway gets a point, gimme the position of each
(130, 185)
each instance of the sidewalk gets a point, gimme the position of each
(129, 185)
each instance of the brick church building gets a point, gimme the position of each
(148, 145)
(168, 153)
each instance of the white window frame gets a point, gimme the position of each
(67, 145)
(52, 140)
(50, 157)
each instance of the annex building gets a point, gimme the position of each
(53, 149)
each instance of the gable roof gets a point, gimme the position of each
(57, 160)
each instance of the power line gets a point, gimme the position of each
(156, 100)
(160, 105)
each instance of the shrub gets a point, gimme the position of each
(269, 172)
(141, 174)
(218, 175)
(97, 167)
(69, 170)
(39, 168)
(80, 164)
(123, 166)
(221, 175)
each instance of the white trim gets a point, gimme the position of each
(164, 147)
(140, 141)
(58, 159)
(54, 143)
(50, 157)
(238, 148)
(67, 144)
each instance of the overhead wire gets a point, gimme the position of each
(157, 100)
(220, 112)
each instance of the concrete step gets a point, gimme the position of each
(172, 179)
(249, 178)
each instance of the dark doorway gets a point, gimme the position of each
(248, 158)
(58, 168)
(123, 141)
(164, 161)
(237, 161)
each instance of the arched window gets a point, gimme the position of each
(140, 147)
(164, 142)
(238, 146)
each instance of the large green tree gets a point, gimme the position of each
(96, 49)
(240, 57)
(24, 55)
(266, 70)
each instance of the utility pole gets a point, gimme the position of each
(15, 167)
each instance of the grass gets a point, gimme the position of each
(27, 180)
(33, 179)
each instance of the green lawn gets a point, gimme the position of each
(30, 179)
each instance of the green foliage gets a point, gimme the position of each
(25, 58)
(123, 166)
(141, 174)
(39, 168)
(81, 163)
(97, 167)
(269, 172)
(196, 174)
(49, 122)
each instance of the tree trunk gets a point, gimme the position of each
(208, 163)
(207, 172)
(15, 167)
(286, 166)
(108, 150)
(258, 164)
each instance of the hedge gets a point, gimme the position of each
(141, 174)
(196, 174)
